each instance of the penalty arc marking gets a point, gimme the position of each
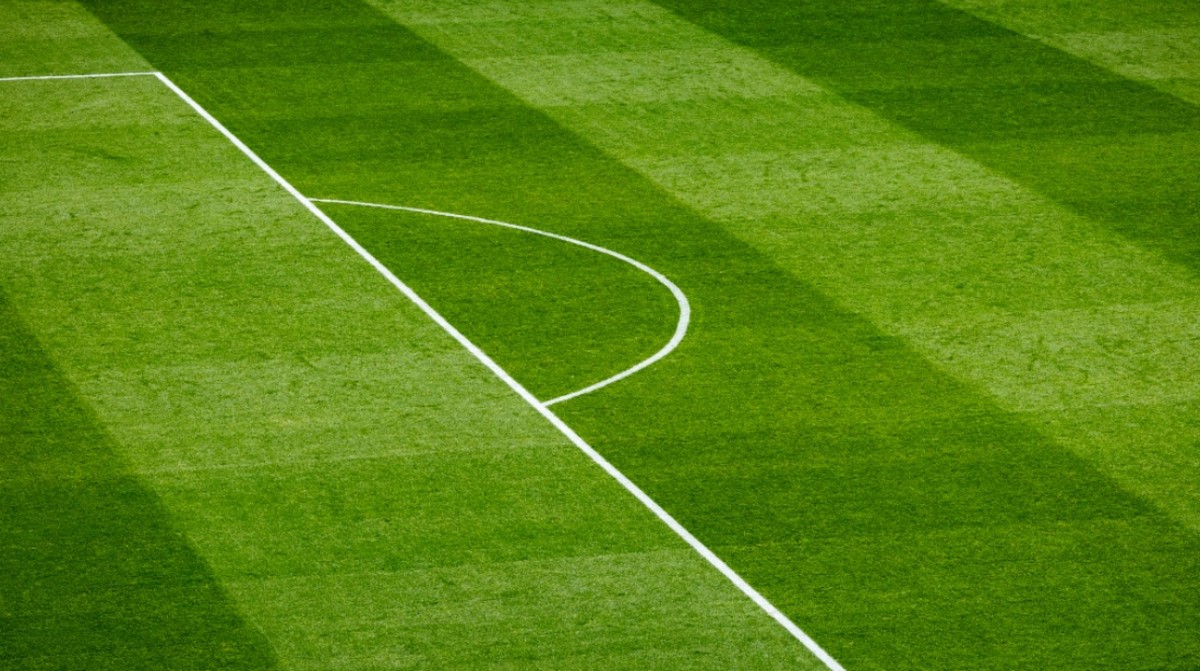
(541, 407)
(685, 309)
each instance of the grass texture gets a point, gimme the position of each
(937, 402)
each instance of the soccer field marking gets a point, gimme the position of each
(685, 309)
(542, 408)
(524, 393)
(99, 75)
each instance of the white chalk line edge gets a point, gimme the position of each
(685, 309)
(487, 361)
(98, 75)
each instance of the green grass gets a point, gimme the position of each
(94, 573)
(365, 493)
(534, 299)
(937, 401)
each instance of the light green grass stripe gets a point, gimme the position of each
(48, 38)
(23, 108)
(427, 13)
(347, 432)
(292, 405)
(499, 607)
(920, 240)
(1154, 42)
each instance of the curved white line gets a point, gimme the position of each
(685, 309)
(555, 421)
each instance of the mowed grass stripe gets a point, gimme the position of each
(862, 208)
(1151, 42)
(1099, 143)
(1111, 325)
(368, 375)
(93, 572)
(59, 38)
(640, 105)
(786, 428)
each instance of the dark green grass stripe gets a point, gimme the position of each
(1118, 151)
(91, 573)
(785, 431)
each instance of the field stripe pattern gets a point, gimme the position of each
(91, 563)
(559, 67)
(213, 463)
(267, 390)
(935, 401)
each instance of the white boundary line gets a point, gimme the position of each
(521, 391)
(487, 361)
(685, 309)
(101, 75)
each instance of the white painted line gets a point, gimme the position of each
(541, 408)
(694, 542)
(99, 75)
(685, 310)
(599, 459)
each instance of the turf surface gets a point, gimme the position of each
(937, 401)
(94, 575)
(365, 493)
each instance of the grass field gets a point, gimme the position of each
(937, 405)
